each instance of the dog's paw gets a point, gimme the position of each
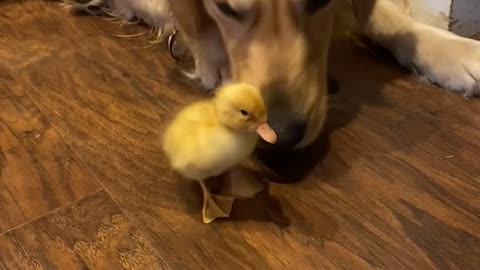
(449, 61)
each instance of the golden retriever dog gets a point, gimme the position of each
(282, 47)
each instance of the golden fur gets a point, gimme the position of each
(282, 47)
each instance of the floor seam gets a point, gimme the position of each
(100, 189)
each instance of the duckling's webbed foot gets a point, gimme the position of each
(241, 182)
(215, 206)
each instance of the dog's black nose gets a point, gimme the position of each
(283, 117)
(288, 134)
(290, 131)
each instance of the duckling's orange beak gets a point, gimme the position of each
(267, 133)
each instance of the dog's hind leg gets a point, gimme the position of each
(443, 58)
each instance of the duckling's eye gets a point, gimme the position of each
(243, 112)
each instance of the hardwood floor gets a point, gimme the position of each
(39, 172)
(92, 233)
(393, 184)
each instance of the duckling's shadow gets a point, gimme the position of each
(262, 208)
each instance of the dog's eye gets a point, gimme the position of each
(311, 6)
(227, 10)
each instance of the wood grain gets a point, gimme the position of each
(38, 171)
(393, 183)
(91, 234)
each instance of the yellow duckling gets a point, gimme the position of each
(212, 136)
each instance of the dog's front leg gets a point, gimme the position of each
(211, 62)
(440, 56)
(204, 41)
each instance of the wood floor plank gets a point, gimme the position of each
(38, 171)
(381, 190)
(90, 234)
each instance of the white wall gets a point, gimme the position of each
(466, 17)
(432, 12)
(459, 16)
